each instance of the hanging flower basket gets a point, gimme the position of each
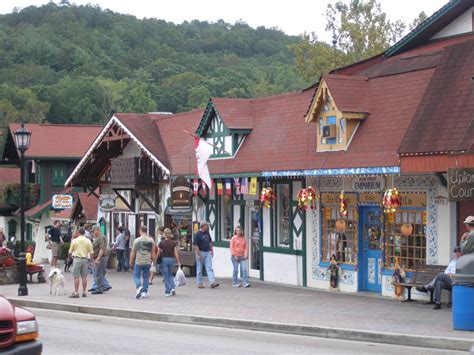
(6, 257)
(391, 200)
(307, 198)
(267, 196)
(343, 212)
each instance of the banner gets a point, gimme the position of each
(228, 187)
(237, 186)
(244, 186)
(203, 152)
(253, 186)
(195, 186)
(219, 188)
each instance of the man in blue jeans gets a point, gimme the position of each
(143, 252)
(204, 254)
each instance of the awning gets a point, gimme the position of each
(179, 211)
(434, 163)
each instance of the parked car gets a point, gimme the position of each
(18, 330)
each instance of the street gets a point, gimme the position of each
(72, 333)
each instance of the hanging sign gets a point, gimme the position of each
(365, 197)
(62, 201)
(181, 192)
(461, 184)
(368, 183)
(107, 203)
(329, 198)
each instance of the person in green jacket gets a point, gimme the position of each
(467, 240)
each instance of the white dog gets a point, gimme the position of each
(56, 280)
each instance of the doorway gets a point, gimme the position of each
(254, 234)
(370, 244)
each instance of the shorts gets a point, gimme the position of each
(79, 268)
(55, 248)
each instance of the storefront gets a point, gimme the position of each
(368, 241)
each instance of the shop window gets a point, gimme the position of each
(226, 217)
(405, 240)
(339, 235)
(59, 174)
(283, 215)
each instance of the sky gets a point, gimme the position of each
(292, 17)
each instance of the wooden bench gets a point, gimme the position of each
(40, 279)
(188, 260)
(422, 276)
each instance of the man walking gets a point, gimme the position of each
(99, 246)
(54, 237)
(204, 254)
(80, 250)
(143, 252)
(442, 280)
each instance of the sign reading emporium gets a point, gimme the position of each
(368, 183)
(62, 201)
(461, 184)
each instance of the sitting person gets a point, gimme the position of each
(467, 240)
(34, 267)
(442, 280)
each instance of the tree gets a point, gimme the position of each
(421, 18)
(361, 28)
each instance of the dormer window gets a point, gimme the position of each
(332, 111)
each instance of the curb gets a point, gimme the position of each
(294, 329)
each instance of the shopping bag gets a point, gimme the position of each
(179, 279)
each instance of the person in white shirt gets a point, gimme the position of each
(442, 280)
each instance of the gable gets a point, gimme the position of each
(225, 141)
(463, 24)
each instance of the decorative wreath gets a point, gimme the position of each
(267, 196)
(343, 205)
(391, 200)
(307, 198)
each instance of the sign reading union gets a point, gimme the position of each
(368, 183)
(61, 202)
(461, 184)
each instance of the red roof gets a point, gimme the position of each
(147, 133)
(444, 119)
(350, 93)
(9, 176)
(58, 141)
(90, 205)
(236, 113)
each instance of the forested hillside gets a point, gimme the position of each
(71, 64)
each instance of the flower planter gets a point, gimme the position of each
(8, 275)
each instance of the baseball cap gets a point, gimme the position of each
(469, 220)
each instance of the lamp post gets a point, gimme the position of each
(22, 142)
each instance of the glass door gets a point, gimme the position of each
(254, 238)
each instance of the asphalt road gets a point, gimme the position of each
(72, 333)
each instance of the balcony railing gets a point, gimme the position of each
(133, 172)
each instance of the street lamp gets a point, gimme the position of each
(22, 142)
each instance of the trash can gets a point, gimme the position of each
(463, 293)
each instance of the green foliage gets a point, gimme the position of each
(421, 18)
(75, 64)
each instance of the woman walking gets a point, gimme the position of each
(239, 254)
(168, 249)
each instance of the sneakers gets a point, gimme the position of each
(421, 289)
(437, 306)
(214, 285)
(173, 292)
(108, 288)
(200, 286)
(97, 292)
(84, 294)
(247, 285)
(167, 294)
(74, 295)
(238, 285)
(144, 295)
(139, 293)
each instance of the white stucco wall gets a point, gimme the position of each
(221, 262)
(462, 24)
(283, 268)
(446, 227)
(266, 227)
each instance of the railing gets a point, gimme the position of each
(132, 172)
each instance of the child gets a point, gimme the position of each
(34, 267)
(333, 274)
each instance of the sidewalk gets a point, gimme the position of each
(266, 307)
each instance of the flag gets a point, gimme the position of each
(203, 152)
(237, 186)
(33, 167)
(219, 188)
(204, 190)
(253, 186)
(228, 187)
(244, 187)
(195, 186)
